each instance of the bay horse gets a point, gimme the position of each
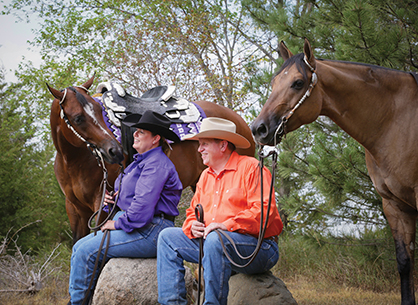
(376, 106)
(76, 168)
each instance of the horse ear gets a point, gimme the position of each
(284, 51)
(307, 50)
(88, 83)
(56, 93)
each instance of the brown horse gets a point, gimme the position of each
(76, 168)
(378, 108)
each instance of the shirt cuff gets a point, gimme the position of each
(231, 225)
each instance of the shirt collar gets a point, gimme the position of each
(231, 165)
(140, 157)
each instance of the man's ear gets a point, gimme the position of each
(224, 145)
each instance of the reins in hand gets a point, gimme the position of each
(199, 217)
(263, 225)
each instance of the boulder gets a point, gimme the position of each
(127, 281)
(260, 289)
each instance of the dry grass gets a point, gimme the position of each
(307, 292)
(304, 290)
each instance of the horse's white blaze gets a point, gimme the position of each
(90, 112)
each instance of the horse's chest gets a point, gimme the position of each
(393, 182)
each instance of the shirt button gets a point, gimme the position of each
(213, 218)
(214, 205)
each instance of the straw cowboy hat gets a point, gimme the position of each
(152, 121)
(218, 128)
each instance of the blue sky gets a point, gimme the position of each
(14, 46)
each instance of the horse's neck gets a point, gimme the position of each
(363, 100)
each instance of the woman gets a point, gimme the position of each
(148, 197)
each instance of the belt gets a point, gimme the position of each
(274, 238)
(165, 216)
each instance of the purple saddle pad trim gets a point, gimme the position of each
(181, 129)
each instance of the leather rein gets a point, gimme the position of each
(263, 224)
(100, 161)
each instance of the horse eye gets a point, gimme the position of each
(78, 120)
(298, 84)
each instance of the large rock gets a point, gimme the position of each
(126, 281)
(260, 289)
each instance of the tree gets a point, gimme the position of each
(198, 45)
(226, 51)
(30, 191)
(323, 170)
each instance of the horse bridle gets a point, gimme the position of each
(100, 160)
(93, 148)
(96, 153)
(282, 126)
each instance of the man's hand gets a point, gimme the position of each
(198, 229)
(214, 226)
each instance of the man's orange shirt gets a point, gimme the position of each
(233, 198)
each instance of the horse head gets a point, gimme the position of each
(285, 109)
(78, 117)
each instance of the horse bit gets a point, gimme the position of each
(314, 79)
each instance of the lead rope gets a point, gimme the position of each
(106, 234)
(199, 217)
(263, 225)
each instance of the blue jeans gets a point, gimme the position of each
(174, 247)
(139, 243)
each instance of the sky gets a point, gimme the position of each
(14, 37)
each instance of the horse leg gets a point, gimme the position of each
(78, 221)
(402, 223)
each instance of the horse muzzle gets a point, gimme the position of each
(112, 152)
(265, 134)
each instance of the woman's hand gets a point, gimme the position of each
(109, 198)
(109, 225)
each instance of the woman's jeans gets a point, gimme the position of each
(139, 243)
(174, 247)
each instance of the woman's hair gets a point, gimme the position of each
(163, 143)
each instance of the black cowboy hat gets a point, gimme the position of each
(152, 121)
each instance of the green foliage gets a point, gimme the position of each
(327, 181)
(219, 50)
(30, 191)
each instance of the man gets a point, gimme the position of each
(229, 192)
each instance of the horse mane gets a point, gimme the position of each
(301, 66)
(361, 64)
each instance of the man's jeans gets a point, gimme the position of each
(174, 247)
(139, 243)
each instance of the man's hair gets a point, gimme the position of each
(230, 145)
